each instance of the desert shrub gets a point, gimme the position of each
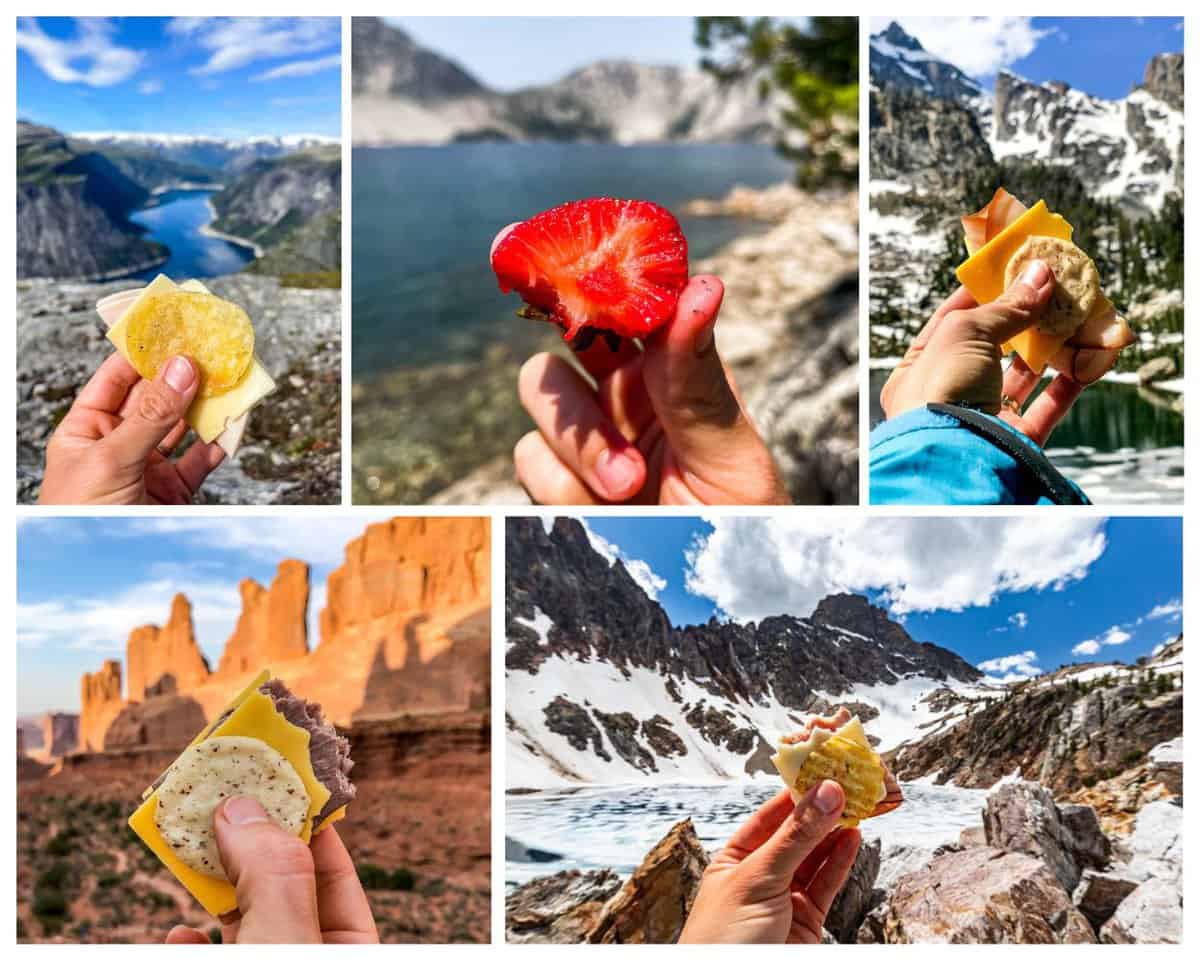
(374, 877)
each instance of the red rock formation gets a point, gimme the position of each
(99, 702)
(273, 625)
(165, 659)
(406, 566)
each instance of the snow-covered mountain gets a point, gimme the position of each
(1129, 149)
(602, 688)
(404, 93)
(223, 154)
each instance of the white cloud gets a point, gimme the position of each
(301, 68)
(1112, 637)
(234, 42)
(149, 87)
(102, 623)
(979, 46)
(1171, 610)
(1020, 620)
(753, 567)
(89, 57)
(641, 572)
(1011, 668)
(319, 539)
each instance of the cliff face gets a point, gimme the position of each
(272, 626)
(406, 630)
(285, 204)
(165, 660)
(71, 211)
(60, 733)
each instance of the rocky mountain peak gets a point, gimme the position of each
(1164, 79)
(898, 60)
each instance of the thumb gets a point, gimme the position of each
(1019, 307)
(687, 382)
(817, 813)
(160, 406)
(273, 873)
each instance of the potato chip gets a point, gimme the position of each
(1077, 282)
(210, 772)
(215, 333)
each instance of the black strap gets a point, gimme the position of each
(1056, 487)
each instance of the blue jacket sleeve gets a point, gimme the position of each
(923, 457)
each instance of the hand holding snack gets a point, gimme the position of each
(114, 445)
(287, 892)
(776, 879)
(655, 419)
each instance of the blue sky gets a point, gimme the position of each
(1044, 592)
(218, 76)
(84, 583)
(507, 53)
(1104, 56)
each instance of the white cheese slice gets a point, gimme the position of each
(790, 757)
(222, 418)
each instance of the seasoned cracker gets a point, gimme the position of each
(212, 771)
(1077, 282)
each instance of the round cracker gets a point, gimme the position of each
(215, 333)
(212, 771)
(1076, 288)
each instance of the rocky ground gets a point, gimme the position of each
(788, 330)
(419, 833)
(292, 449)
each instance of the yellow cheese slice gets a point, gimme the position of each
(790, 757)
(208, 416)
(983, 275)
(253, 714)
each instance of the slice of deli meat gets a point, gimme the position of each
(330, 751)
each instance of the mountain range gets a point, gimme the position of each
(75, 193)
(931, 121)
(404, 93)
(602, 688)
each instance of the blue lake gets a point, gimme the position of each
(176, 221)
(424, 219)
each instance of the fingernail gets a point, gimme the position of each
(243, 810)
(617, 471)
(828, 796)
(179, 374)
(1036, 274)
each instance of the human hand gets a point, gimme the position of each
(287, 891)
(779, 874)
(956, 359)
(663, 425)
(114, 444)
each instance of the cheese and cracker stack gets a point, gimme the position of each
(837, 749)
(267, 744)
(162, 320)
(1080, 333)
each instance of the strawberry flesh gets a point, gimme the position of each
(599, 265)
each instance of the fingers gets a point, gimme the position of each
(197, 463)
(1017, 308)
(1019, 381)
(109, 385)
(545, 478)
(161, 405)
(960, 299)
(345, 913)
(1084, 364)
(832, 874)
(181, 934)
(762, 824)
(569, 417)
(798, 836)
(1054, 403)
(273, 872)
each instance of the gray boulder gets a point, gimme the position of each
(1099, 894)
(1153, 913)
(854, 900)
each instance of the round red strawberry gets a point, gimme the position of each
(601, 265)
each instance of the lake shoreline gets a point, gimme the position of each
(209, 230)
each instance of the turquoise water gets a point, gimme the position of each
(176, 221)
(424, 219)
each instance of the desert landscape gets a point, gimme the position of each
(401, 666)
